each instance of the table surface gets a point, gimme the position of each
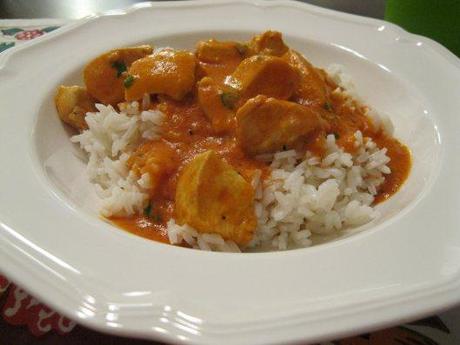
(73, 9)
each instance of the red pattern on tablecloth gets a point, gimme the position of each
(29, 34)
(4, 283)
(21, 309)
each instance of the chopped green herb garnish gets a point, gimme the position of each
(242, 48)
(328, 106)
(148, 210)
(336, 135)
(120, 67)
(229, 99)
(128, 81)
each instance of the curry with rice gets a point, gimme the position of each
(226, 107)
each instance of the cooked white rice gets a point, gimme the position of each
(307, 195)
(110, 138)
(178, 234)
(304, 196)
(347, 89)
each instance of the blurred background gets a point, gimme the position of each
(435, 19)
(74, 9)
(438, 19)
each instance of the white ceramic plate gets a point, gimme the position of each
(404, 266)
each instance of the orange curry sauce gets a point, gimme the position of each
(186, 131)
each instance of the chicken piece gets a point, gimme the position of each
(268, 125)
(264, 75)
(72, 104)
(312, 88)
(211, 100)
(167, 72)
(156, 158)
(268, 43)
(104, 76)
(213, 198)
(219, 52)
(217, 59)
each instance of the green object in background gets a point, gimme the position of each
(437, 19)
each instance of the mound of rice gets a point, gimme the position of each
(304, 196)
(110, 138)
(308, 195)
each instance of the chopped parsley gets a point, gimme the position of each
(229, 99)
(148, 210)
(336, 135)
(328, 106)
(128, 81)
(242, 48)
(120, 67)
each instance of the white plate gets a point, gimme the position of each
(403, 266)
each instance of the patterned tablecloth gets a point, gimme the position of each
(24, 320)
